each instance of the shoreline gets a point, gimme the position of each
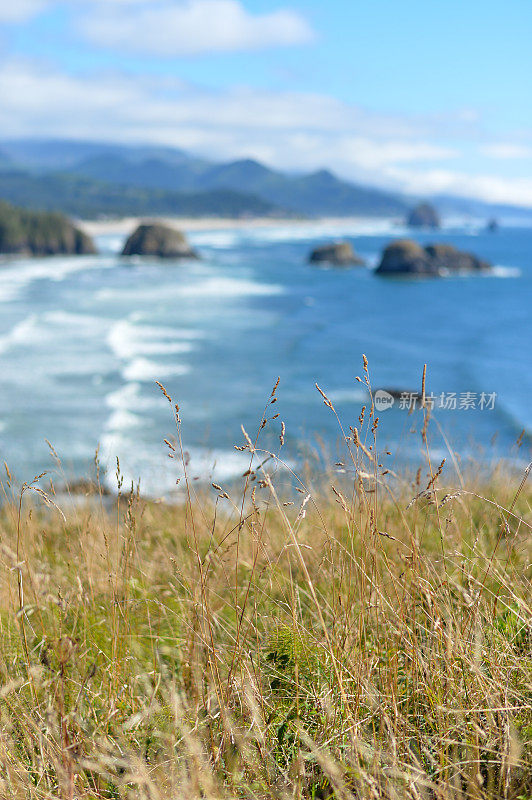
(355, 225)
(126, 225)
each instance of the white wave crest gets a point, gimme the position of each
(143, 369)
(121, 420)
(19, 273)
(129, 397)
(128, 340)
(500, 271)
(215, 287)
(158, 473)
(228, 287)
(347, 395)
(23, 333)
(294, 232)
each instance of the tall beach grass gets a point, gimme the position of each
(341, 633)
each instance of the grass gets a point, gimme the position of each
(346, 634)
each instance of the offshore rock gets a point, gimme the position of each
(158, 240)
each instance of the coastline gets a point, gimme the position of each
(126, 225)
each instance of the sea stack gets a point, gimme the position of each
(40, 233)
(407, 258)
(423, 216)
(161, 241)
(339, 254)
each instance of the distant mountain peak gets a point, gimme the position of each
(155, 168)
(246, 166)
(324, 173)
(247, 162)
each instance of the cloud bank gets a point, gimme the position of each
(193, 27)
(289, 130)
(171, 28)
(292, 130)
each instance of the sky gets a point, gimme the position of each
(424, 97)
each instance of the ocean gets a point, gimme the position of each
(83, 340)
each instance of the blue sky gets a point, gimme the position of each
(424, 97)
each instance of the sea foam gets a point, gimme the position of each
(158, 473)
(144, 369)
(128, 340)
(213, 286)
(228, 287)
(500, 271)
(21, 334)
(19, 273)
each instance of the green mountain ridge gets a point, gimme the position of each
(319, 193)
(57, 155)
(87, 198)
(93, 179)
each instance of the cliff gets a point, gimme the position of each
(40, 233)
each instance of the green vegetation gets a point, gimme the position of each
(362, 638)
(91, 180)
(37, 233)
(119, 179)
(88, 198)
(318, 193)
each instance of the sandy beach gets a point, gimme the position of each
(126, 225)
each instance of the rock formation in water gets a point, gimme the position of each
(162, 241)
(423, 216)
(339, 254)
(40, 233)
(405, 257)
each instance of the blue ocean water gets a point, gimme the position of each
(82, 341)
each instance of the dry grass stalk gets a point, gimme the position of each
(360, 645)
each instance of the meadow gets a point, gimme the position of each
(343, 632)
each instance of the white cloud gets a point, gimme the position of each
(172, 28)
(491, 188)
(506, 150)
(190, 27)
(38, 95)
(294, 131)
(20, 10)
(374, 155)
